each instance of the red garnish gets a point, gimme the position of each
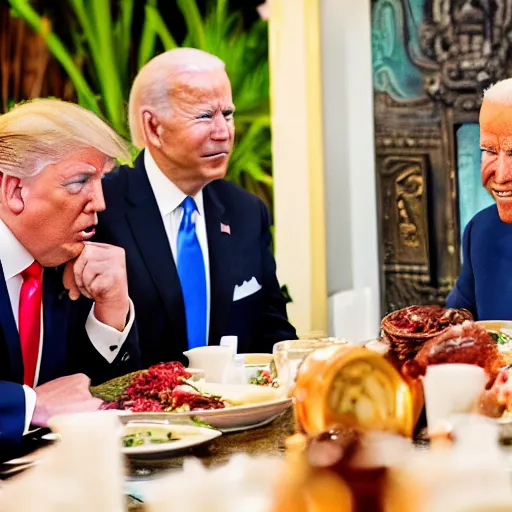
(156, 390)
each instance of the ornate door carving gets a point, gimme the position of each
(431, 59)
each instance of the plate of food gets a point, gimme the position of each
(260, 369)
(139, 438)
(166, 391)
(501, 333)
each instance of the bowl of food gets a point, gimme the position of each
(407, 330)
(260, 369)
(501, 333)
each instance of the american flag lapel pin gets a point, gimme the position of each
(225, 228)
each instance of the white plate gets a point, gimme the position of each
(233, 418)
(263, 403)
(229, 430)
(189, 436)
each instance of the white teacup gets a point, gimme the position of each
(213, 359)
(451, 389)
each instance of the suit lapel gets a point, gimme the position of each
(10, 333)
(55, 321)
(149, 232)
(221, 259)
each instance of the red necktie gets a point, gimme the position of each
(29, 319)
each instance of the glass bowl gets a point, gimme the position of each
(289, 354)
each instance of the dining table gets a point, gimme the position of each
(269, 440)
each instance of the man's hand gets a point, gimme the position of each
(64, 395)
(99, 273)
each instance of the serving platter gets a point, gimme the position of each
(258, 405)
(232, 419)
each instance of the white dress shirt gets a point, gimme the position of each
(15, 258)
(169, 198)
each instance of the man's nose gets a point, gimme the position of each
(97, 201)
(504, 168)
(220, 128)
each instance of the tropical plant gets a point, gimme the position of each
(99, 55)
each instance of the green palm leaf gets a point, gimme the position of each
(101, 48)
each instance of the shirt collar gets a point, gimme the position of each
(13, 256)
(168, 196)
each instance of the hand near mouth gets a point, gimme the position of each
(99, 273)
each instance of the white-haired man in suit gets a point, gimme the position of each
(199, 248)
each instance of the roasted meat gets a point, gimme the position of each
(466, 343)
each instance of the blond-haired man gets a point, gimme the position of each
(53, 156)
(199, 259)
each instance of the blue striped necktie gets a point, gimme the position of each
(192, 276)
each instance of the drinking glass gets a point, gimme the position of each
(289, 354)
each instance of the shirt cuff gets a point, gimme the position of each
(107, 340)
(30, 405)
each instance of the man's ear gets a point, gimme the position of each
(10, 193)
(151, 128)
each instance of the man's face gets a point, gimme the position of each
(496, 144)
(60, 206)
(197, 136)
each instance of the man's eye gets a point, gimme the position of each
(228, 114)
(205, 116)
(81, 181)
(489, 151)
(77, 184)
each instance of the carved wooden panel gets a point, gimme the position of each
(404, 197)
(431, 61)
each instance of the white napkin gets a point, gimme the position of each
(83, 472)
(243, 484)
(451, 389)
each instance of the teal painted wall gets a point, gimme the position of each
(395, 37)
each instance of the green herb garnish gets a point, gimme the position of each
(141, 438)
(114, 389)
(500, 337)
(199, 390)
(196, 421)
(132, 440)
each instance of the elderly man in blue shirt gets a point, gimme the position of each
(484, 286)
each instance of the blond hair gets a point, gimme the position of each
(42, 132)
(153, 85)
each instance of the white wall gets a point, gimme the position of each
(298, 166)
(349, 154)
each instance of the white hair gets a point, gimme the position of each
(153, 85)
(42, 132)
(500, 92)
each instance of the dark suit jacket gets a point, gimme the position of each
(66, 350)
(132, 220)
(484, 286)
